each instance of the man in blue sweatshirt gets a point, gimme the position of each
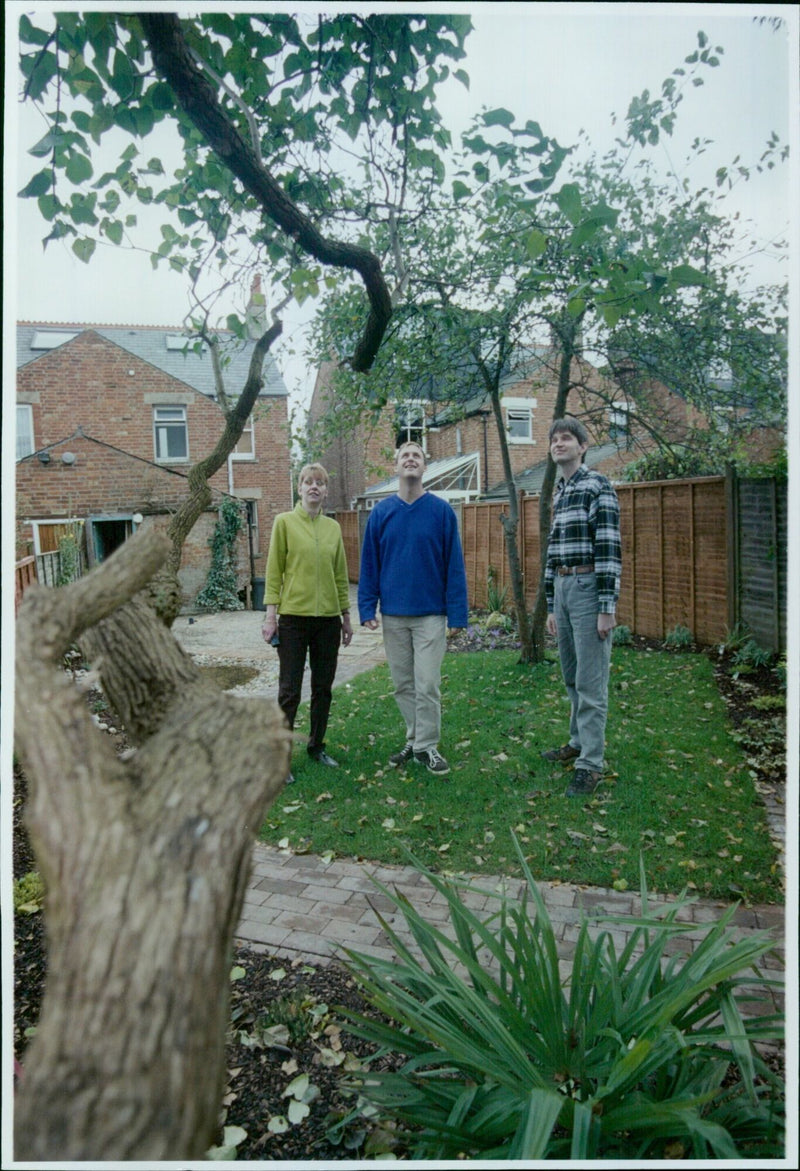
(412, 564)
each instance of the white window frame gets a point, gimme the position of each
(248, 431)
(25, 432)
(522, 410)
(404, 427)
(619, 420)
(178, 419)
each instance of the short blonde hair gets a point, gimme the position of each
(411, 443)
(306, 471)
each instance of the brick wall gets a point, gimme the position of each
(93, 384)
(349, 456)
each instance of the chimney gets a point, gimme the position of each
(256, 314)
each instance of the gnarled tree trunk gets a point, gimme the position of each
(145, 863)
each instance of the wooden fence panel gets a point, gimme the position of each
(710, 562)
(686, 550)
(351, 538)
(24, 575)
(760, 519)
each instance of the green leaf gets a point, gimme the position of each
(499, 117)
(123, 74)
(536, 1125)
(84, 249)
(568, 199)
(114, 230)
(78, 168)
(39, 185)
(46, 145)
(535, 243)
(685, 274)
(460, 190)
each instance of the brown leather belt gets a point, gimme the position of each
(568, 570)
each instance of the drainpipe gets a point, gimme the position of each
(485, 417)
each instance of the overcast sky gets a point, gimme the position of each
(566, 66)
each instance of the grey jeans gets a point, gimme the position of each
(585, 663)
(415, 648)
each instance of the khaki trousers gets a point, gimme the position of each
(415, 647)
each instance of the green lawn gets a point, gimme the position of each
(678, 792)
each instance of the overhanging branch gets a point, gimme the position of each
(174, 61)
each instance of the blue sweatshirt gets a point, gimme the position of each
(411, 561)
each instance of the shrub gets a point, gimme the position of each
(28, 893)
(752, 655)
(496, 598)
(679, 636)
(221, 589)
(631, 1057)
(623, 636)
(735, 637)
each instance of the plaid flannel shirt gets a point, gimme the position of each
(585, 531)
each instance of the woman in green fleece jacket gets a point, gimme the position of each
(307, 585)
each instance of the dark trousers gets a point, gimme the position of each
(320, 639)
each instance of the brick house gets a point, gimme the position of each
(109, 421)
(461, 443)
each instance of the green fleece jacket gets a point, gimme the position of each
(306, 566)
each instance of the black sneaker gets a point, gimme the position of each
(402, 757)
(433, 761)
(583, 783)
(323, 758)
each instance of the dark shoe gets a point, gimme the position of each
(290, 779)
(433, 760)
(564, 753)
(323, 758)
(583, 783)
(402, 757)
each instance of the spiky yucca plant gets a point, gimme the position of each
(641, 1055)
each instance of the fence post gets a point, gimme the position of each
(732, 543)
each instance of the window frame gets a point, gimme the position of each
(521, 409)
(165, 425)
(248, 429)
(409, 432)
(30, 432)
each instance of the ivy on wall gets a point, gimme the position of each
(221, 591)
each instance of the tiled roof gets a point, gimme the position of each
(150, 344)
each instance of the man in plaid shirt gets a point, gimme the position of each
(582, 586)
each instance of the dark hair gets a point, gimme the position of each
(569, 424)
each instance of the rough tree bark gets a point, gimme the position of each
(145, 863)
(539, 620)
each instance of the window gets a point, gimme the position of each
(50, 339)
(245, 448)
(171, 436)
(518, 424)
(24, 430)
(519, 419)
(618, 421)
(410, 418)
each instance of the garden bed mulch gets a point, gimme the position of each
(285, 1018)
